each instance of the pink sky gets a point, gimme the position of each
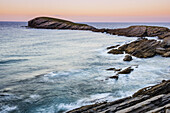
(87, 10)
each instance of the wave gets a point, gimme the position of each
(7, 109)
(97, 98)
(12, 61)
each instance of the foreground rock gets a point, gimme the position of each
(154, 99)
(54, 23)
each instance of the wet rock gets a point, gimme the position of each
(113, 69)
(111, 47)
(127, 58)
(114, 77)
(126, 71)
(154, 99)
(115, 51)
(54, 23)
(162, 88)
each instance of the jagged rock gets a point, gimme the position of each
(126, 71)
(127, 58)
(115, 51)
(111, 47)
(113, 69)
(166, 34)
(141, 48)
(154, 99)
(162, 88)
(54, 23)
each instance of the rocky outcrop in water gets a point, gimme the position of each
(145, 48)
(127, 58)
(153, 99)
(54, 23)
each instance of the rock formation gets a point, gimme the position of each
(145, 48)
(127, 58)
(137, 31)
(53, 23)
(153, 99)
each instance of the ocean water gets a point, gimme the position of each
(53, 71)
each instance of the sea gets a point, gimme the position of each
(54, 71)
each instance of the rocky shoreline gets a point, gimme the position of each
(150, 99)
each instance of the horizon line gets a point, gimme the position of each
(103, 21)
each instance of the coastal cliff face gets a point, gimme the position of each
(153, 99)
(53, 23)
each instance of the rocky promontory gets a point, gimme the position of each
(152, 99)
(54, 23)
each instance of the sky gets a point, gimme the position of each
(87, 10)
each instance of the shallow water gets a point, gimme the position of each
(57, 70)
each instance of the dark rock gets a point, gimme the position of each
(111, 47)
(54, 23)
(126, 71)
(164, 35)
(154, 99)
(113, 69)
(114, 77)
(139, 31)
(127, 58)
(162, 88)
(141, 48)
(115, 51)
(100, 30)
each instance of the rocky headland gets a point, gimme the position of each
(54, 23)
(153, 99)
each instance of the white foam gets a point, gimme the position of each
(7, 109)
(97, 98)
(35, 96)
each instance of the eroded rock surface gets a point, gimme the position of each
(150, 99)
(145, 48)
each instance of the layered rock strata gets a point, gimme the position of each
(153, 99)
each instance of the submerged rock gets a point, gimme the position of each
(126, 71)
(54, 23)
(113, 69)
(127, 58)
(114, 77)
(154, 99)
